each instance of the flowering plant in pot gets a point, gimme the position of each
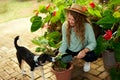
(110, 27)
(47, 45)
(110, 38)
(61, 69)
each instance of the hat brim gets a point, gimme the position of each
(69, 9)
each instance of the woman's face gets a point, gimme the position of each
(71, 19)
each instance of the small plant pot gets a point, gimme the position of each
(108, 59)
(63, 75)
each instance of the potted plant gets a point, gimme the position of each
(110, 27)
(108, 43)
(61, 69)
(48, 44)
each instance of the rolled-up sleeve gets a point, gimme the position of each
(91, 41)
(63, 45)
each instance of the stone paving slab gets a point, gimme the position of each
(9, 69)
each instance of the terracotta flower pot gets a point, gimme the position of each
(63, 75)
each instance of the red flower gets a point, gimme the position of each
(47, 6)
(84, 8)
(107, 35)
(54, 13)
(92, 5)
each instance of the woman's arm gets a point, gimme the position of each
(91, 41)
(63, 45)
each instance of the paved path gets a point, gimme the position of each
(9, 69)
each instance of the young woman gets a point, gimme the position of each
(77, 35)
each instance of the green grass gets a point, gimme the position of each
(13, 9)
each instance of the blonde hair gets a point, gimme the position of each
(79, 26)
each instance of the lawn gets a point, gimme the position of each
(14, 9)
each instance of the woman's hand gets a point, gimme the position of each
(82, 53)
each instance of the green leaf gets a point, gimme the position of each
(97, 13)
(91, 11)
(116, 14)
(64, 65)
(115, 2)
(106, 26)
(62, 17)
(32, 18)
(47, 18)
(54, 35)
(54, 19)
(108, 13)
(42, 9)
(53, 39)
(62, 14)
(38, 49)
(106, 20)
(118, 32)
(52, 44)
(36, 23)
(40, 41)
(83, 2)
(59, 14)
(100, 45)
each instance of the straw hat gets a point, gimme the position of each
(77, 8)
